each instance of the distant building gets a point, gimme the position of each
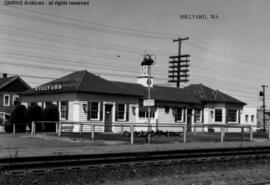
(10, 87)
(249, 116)
(260, 118)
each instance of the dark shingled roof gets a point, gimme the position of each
(83, 81)
(8, 80)
(207, 94)
(166, 94)
(5, 81)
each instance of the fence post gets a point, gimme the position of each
(81, 128)
(251, 133)
(56, 127)
(149, 134)
(269, 132)
(32, 128)
(156, 125)
(221, 134)
(14, 128)
(92, 131)
(242, 134)
(60, 128)
(185, 134)
(121, 129)
(132, 134)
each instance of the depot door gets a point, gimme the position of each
(108, 118)
(189, 120)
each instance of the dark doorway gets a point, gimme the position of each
(189, 120)
(108, 118)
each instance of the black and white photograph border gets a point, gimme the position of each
(134, 92)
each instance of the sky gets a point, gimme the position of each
(110, 37)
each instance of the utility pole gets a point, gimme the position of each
(262, 93)
(179, 66)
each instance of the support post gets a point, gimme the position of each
(149, 134)
(156, 125)
(263, 94)
(203, 128)
(56, 127)
(60, 129)
(132, 134)
(93, 131)
(81, 128)
(221, 134)
(242, 134)
(14, 128)
(32, 128)
(184, 134)
(268, 132)
(251, 133)
(122, 129)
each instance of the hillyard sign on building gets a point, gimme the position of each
(83, 96)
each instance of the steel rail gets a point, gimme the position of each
(46, 162)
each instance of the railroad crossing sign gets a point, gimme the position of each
(149, 103)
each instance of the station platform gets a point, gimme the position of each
(25, 145)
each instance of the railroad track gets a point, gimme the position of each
(22, 164)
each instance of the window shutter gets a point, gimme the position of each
(127, 112)
(101, 111)
(184, 114)
(227, 116)
(239, 121)
(116, 111)
(175, 114)
(67, 109)
(89, 111)
(194, 116)
(202, 115)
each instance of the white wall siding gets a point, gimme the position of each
(132, 113)
(83, 114)
(70, 111)
(164, 117)
(249, 112)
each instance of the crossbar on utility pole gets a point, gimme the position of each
(177, 69)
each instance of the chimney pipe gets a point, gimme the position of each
(4, 75)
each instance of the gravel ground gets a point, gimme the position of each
(240, 174)
(234, 177)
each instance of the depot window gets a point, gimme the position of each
(198, 115)
(64, 110)
(93, 110)
(252, 118)
(179, 114)
(218, 115)
(143, 112)
(121, 111)
(246, 118)
(232, 115)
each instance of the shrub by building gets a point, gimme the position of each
(35, 113)
(50, 113)
(18, 117)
